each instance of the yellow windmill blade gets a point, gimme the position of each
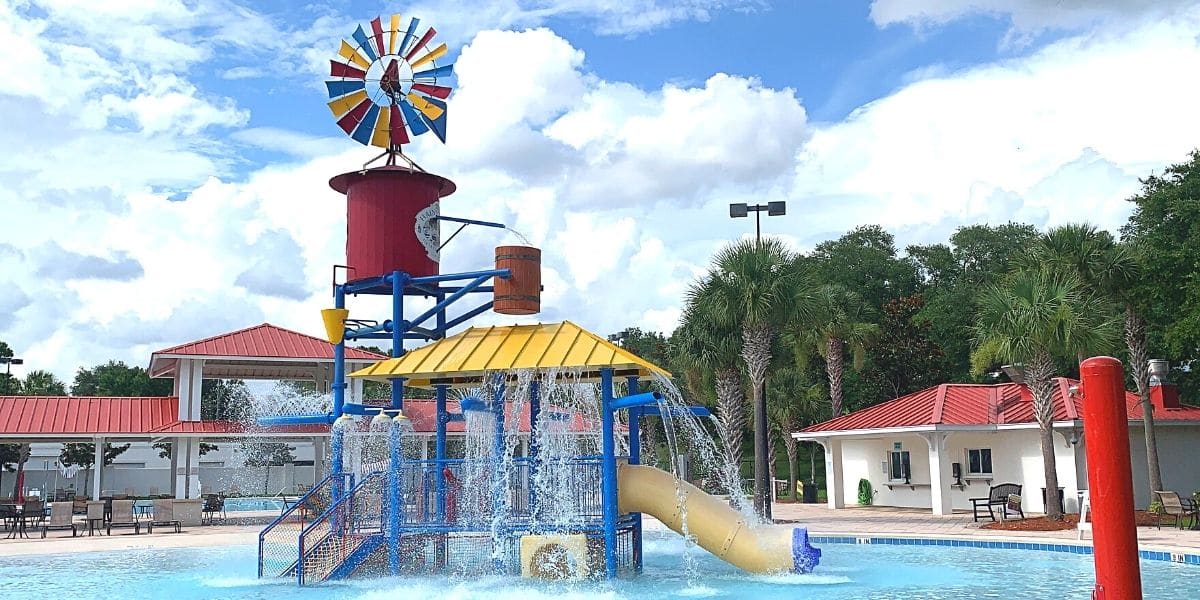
(426, 108)
(351, 54)
(395, 30)
(381, 136)
(341, 106)
(433, 55)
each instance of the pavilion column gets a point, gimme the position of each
(939, 473)
(186, 460)
(175, 488)
(97, 468)
(834, 490)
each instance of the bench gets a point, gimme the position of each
(998, 496)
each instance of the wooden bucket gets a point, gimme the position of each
(520, 294)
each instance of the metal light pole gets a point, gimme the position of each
(9, 361)
(763, 486)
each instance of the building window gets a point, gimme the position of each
(979, 462)
(129, 465)
(898, 466)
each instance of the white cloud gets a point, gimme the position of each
(1026, 15)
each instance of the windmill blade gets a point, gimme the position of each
(408, 35)
(337, 69)
(343, 87)
(420, 43)
(398, 133)
(362, 133)
(360, 36)
(380, 136)
(350, 120)
(437, 91)
(434, 74)
(413, 118)
(433, 55)
(438, 124)
(377, 35)
(427, 107)
(343, 105)
(393, 31)
(349, 53)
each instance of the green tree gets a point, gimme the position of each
(84, 455)
(8, 383)
(864, 261)
(705, 343)
(904, 359)
(756, 285)
(1111, 270)
(268, 454)
(840, 321)
(1030, 318)
(42, 383)
(115, 378)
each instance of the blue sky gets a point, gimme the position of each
(166, 166)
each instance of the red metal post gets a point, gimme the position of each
(1110, 480)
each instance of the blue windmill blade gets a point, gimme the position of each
(413, 118)
(408, 35)
(438, 125)
(341, 88)
(442, 71)
(360, 36)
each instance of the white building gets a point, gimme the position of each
(939, 447)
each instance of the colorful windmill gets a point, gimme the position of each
(389, 86)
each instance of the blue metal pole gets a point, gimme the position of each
(440, 323)
(337, 446)
(499, 493)
(398, 331)
(535, 411)
(635, 458)
(439, 452)
(339, 358)
(393, 494)
(608, 473)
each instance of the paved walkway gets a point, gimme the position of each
(881, 521)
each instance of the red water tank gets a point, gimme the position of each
(390, 220)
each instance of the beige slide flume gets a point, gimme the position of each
(715, 526)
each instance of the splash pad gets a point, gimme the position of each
(548, 481)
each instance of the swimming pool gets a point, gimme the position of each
(671, 570)
(253, 504)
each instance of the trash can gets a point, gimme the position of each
(810, 493)
(1060, 500)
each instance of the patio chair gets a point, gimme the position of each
(33, 512)
(95, 516)
(9, 515)
(1173, 507)
(998, 495)
(164, 514)
(122, 516)
(61, 517)
(213, 504)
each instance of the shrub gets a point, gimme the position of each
(866, 497)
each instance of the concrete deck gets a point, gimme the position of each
(858, 522)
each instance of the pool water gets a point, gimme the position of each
(249, 504)
(672, 570)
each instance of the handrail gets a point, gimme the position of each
(287, 512)
(306, 550)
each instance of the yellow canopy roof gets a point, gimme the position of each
(462, 359)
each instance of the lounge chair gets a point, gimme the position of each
(122, 516)
(998, 496)
(213, 504)
(1173, 507)
(95, 516)
(164, 514)
(61, 517)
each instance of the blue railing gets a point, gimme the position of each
(277, 542)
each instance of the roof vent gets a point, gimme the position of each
(1015, 372)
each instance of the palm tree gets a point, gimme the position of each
(756, 284)
(708, 344)
(1110, 269)
(1033, 317)
(785, 418)
(841, 321)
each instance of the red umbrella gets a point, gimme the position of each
(20, 487)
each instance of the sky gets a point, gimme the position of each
(165, 164)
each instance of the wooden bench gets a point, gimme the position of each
(998, 496)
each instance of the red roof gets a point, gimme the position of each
(265, 341)
(979, 404)
(72, 416)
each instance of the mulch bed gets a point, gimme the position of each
(1141, 517)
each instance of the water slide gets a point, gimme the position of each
(715, 526)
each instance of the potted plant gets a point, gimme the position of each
(866, 496)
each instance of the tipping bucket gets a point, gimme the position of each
(520, 294)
